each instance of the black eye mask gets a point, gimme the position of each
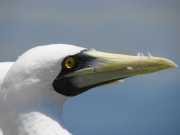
(64, 85)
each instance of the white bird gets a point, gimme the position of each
(34, 88)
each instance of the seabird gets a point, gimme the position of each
(34, 88)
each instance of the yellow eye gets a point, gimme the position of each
(69, 63)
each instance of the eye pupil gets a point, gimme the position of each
(69, 63)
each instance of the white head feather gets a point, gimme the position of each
(27, 91)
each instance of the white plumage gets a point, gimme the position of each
(4, 67)
(28, 103)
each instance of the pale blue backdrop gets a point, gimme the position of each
(147, 105)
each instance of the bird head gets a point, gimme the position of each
(71, 70)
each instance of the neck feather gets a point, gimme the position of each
(43, 117)
(37, 123)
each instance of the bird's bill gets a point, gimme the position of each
(109, 67)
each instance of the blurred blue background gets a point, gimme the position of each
(146, 105)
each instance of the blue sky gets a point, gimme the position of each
(141, 105)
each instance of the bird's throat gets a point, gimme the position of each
(42, 118)
(37, 123)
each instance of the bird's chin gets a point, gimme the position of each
(107, 68)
